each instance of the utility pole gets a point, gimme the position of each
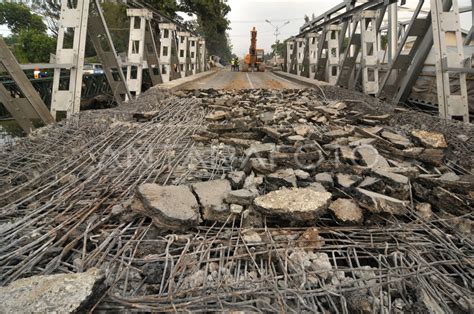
(277, 33)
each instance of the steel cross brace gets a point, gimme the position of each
(23, 109)
(104, 47)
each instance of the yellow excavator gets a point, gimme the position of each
(254, 60)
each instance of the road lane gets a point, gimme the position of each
(226, 79)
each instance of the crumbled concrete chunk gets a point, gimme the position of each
(424, 210)
(430, 139)
(62, 293)
(236, 209)
(295, 204)
(250, 236)
(347, 211)
(310, 239)
(237, 179)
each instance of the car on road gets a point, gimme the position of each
(93, 68)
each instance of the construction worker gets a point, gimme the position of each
(37, 73)
(232, 64)
(236, 64)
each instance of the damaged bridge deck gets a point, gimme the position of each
(280, 200)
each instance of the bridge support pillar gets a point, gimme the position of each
(70, 53)
(183, 53)
(370, 49)
(136, 49)
(193, 54)
(203, 65)
(312, 54)
(169, 68)
(300, 48)
(452, 103)
(333, 68)
(289, 55)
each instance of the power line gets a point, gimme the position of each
(263, 21)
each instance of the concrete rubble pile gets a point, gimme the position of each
(306, 162)
(300, 158)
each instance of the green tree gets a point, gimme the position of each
(212, 24)
(33, 47)
(29, 41)
(118, 24)
(18, 17)
(279, 47)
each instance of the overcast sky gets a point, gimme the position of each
(248, 13)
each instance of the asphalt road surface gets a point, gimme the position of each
(226, 79)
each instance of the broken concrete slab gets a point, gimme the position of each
(341, 132)
(172, 207)
(369, 182)
(303, 129)
(347, 154)
(318, 187)
(61, 293)
(299, 204)
(325, 178)
(216, 116)
(260, 150)
(296, 138)
(346, 180)
(430, 139)
(302, 175)
(371, 157)
(379, 203)
(262, 165)
(347, 211)
(397, 139)
(450, 176)
(241, 197)
(282, 178)
(391, 177)
(211, 195)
